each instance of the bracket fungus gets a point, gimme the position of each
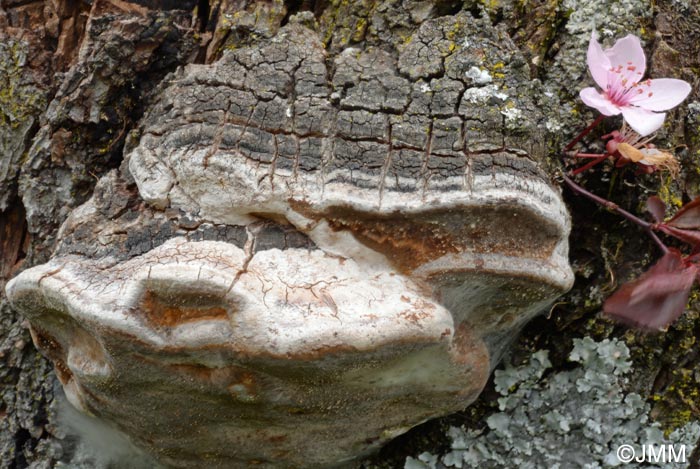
(332, 249)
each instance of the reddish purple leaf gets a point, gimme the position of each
(688, 236)
(688, 217)
(657, 298)
(694, 257)
(657, 208)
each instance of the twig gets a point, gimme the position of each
(589, 165)
(590, 155)
(648, 227)
(656, 239)
(584, 132)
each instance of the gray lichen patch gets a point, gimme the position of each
(576, 418)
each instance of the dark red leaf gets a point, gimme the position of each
(688, 217)
(691, 237)
(657, 298)
(657, 208)
(694, 256)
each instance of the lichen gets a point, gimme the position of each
(575, 418)
(344, 22)
(674, 400)
(18, 101)
(669, 195)
(479, 76)
(513, 116)
(484, 94)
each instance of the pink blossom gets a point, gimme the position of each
(619, 71)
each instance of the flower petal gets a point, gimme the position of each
(594, 98)
(661, 94)
(660, 160)
(628, 151)
(598, 63)
(642, 121)
(628, 56)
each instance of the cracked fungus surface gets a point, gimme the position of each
(328, 242)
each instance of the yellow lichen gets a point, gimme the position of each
(490, 5)
(18, 101)
(360, 29)
(667, 195)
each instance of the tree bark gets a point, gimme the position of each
(77, 77)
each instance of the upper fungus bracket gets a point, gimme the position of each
(346, 171)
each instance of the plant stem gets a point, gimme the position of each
(648, 227)
(590, 155)
(589, 165)
(656, 239)
(584, 132)
(605, 203)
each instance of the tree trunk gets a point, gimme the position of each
(81, 82)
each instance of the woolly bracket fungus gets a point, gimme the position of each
(328, 256)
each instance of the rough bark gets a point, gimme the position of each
(76, 78)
